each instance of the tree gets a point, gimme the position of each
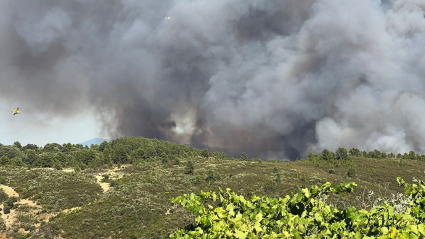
(412, 155)
(88, 156)
(375, 154)
(10, 151)
(164, 157)
(16, 161)
(120, 155)
(30, 157)
(67, 148)
(244, 156)
(327, 155)
(61, 158)
(103, 145)
(30, 146)
(205, 153)
(94, 147)
(56, 164)
(96, 162)
(4, 160)
(312, 156)
(150, 150)
(341, 153)
(101, 157)
(44, 160)
(53, 147)
(355, 152)
(107, 153)
(138, 155)
(17, 144)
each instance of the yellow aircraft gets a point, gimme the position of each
(167, 17)
(15, 111)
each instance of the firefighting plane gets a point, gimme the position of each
(15, 111)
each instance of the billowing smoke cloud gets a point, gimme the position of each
(273, 78)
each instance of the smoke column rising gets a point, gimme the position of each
(273, 78)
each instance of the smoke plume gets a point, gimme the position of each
(273, 78)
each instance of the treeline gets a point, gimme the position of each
(126, 150)
(342, 153)
(133, 150)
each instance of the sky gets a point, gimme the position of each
(272, 78)
(29, 127)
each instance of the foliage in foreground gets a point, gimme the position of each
(301, 215)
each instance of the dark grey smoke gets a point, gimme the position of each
(270, 77)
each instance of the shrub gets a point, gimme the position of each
(17, 161)
(351, 172)
(3, 195)
(4, 160)
(77, 169)
(277, 175)
(270, 186)
(114, 183)
(105, 178)
(190, 168)
(3, 180)
(57, 165)
(205, 153)
(9, 204)
(212, 176)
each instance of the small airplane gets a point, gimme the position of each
(167, 17)
(15, 111)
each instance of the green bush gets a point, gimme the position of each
(105, 178)
(270, 185)
(114, 183)
(351, 172)
(9, 204)
(212, 176)
(190, 169)
(3, 195)
(3, 179)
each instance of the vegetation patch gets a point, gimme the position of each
(149, 173)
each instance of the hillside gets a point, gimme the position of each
(123, 189)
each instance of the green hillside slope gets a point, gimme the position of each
(87, 196)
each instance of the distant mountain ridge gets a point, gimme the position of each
(97, 141)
